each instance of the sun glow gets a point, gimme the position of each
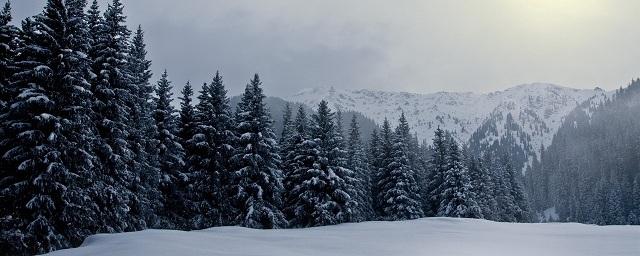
(554, 14)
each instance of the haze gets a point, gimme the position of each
(415, 46)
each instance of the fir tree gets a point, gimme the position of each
(114, 97)
(356, 160)
(170, 156)
(257, 180)
(143, 132)
(187, 114)
(8, 45)
(317, 188)
(457, 198)
(438, 167)
(399, 197)
(50, 183)
(209, 150)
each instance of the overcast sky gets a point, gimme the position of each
(417, 46)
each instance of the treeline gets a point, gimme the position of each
(590, 173)
(89, 146)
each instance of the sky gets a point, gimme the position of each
(420, 46)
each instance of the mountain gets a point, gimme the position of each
(590, 171)
(525, 116)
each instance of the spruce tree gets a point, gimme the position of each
(8, 45)
(318, 189)
(483, 186)
(113, 91)
(437, 169)
(357, 162)
(170, 156)
(399, 193)
(49, 183)
(257, 180)
(385, 151)
(208, 154)
(187, 114)
(143, 136)
(457, 198)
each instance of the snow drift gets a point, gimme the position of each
(428, 236)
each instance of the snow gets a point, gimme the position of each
(428, 236)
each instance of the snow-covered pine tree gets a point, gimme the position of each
(318, 193)
(257, 180)
(435, 174)
(170, 157)
(483, 186)
(373, 154)
(521, 209)
(295, 158)
(506, 202)
(634, 214)
(399, 192)
(209, 151)
(49, 183)
(143, 133)
(187, 114)
(8, 45)
(457, 196)
(113, 91)
(384, 158)
(357, 162)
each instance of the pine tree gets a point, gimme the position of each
(49, 184)
(521, 208)
(438, 167)
(373, 154)
(257, 180)
(356, 160)
(399, 197)
(317, 187)
(187, 114)
(208, 152)
(483, 186)
(8, 45)
(143, 133)
(170, 156)
(385, 150)
(457, 197)
(113, 93)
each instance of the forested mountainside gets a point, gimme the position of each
(591, 171)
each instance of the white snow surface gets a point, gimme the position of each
(460, 113)
(428, 236)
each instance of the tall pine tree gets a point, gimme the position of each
(49, 187)
(257, 179)
(357, 162)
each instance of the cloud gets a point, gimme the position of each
(417, 46)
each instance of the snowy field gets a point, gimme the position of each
(429, 236)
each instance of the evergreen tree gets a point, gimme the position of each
(483, 186)
(210, 148)
(384, 159)
(318, 192)
(49, 182)
(143, 132)
(373, 154)
(520, 201)
(170, 156)
(438, 167)
(187, 114)
(457, 197)
(257, 180)
(113, 91)
(399, 192)
(356, 160)
(8, 45)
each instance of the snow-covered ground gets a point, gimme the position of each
(429, 236)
